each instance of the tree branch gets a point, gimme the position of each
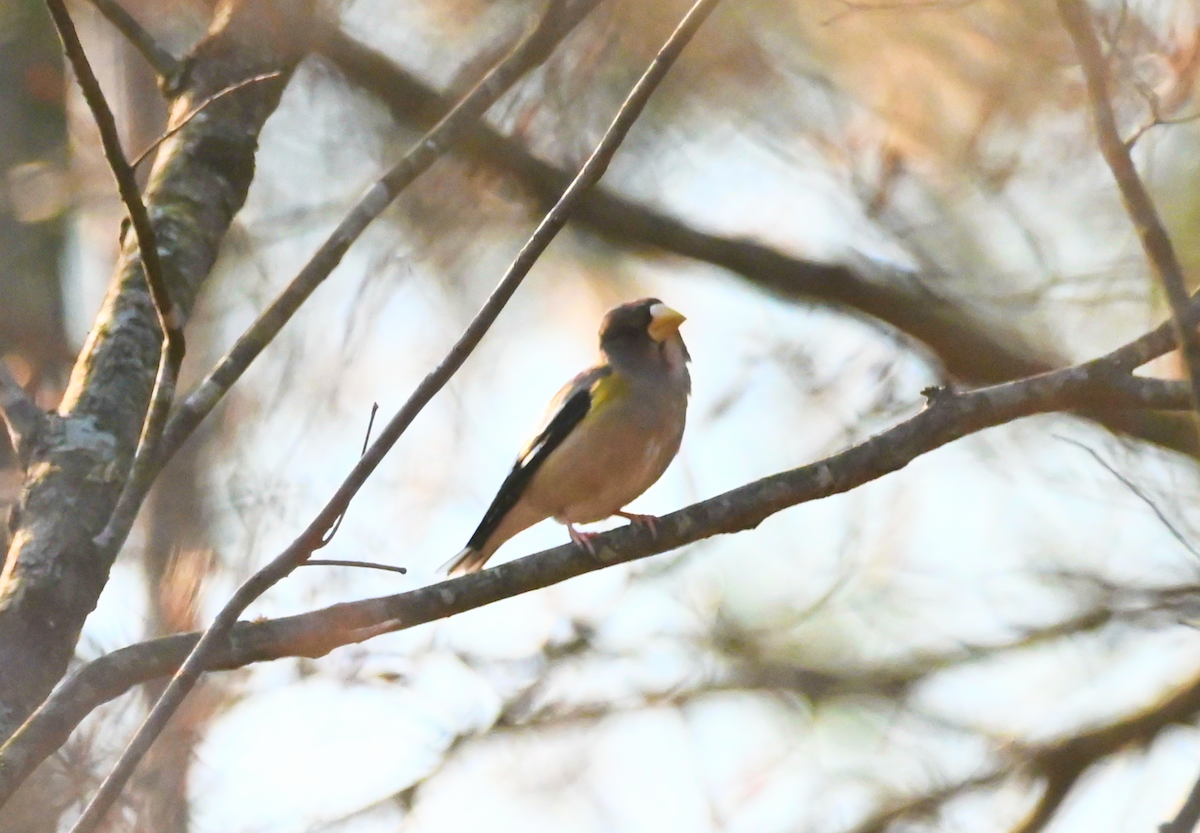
(165, 65)
(170, 321)
(127, 187)
(948, 417)
(53, 572)
(1153, 236)
(314, 536)
(22, 417)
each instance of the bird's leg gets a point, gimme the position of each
(648, 521)
(583, 540)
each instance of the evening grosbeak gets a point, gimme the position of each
(609, 434)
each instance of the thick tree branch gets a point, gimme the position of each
(948, 417)
(53, 571)
(22, 417)
(170, 321)
(165, 65)
(1153, 235)
(314, 536)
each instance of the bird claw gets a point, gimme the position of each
(583, 540)
(648, 521)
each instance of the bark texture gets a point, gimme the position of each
(53, 572)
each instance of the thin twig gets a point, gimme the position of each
(169, 319)
(337, 562)
(333, 530)
(20, 414)
(1188, 816)
(1156, 243)
(195, 111)
(1157, 121)
(1133, 487)
(165, 65)
(311, 538)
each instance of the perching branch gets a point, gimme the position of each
(313, 537)
(948, 417)
(20, 414)
(1154, 238)
(165, 65)
(170, 320)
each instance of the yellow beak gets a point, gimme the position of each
(664, 322)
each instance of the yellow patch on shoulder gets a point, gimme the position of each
(606, 390)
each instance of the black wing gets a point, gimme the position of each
(575, 405)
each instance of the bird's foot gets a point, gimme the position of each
(648, 521)
(583, 540)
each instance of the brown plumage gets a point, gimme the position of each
(609, 434)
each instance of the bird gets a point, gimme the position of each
(608, 436)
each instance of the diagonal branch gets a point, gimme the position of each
(949, 416)
(165, 65)
(170, 320)
(1155, 242)
(22, 417)
(314, 536)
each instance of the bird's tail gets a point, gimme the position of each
(469, 560)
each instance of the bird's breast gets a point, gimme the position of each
(611, 459)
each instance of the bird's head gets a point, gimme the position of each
(645, 330)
